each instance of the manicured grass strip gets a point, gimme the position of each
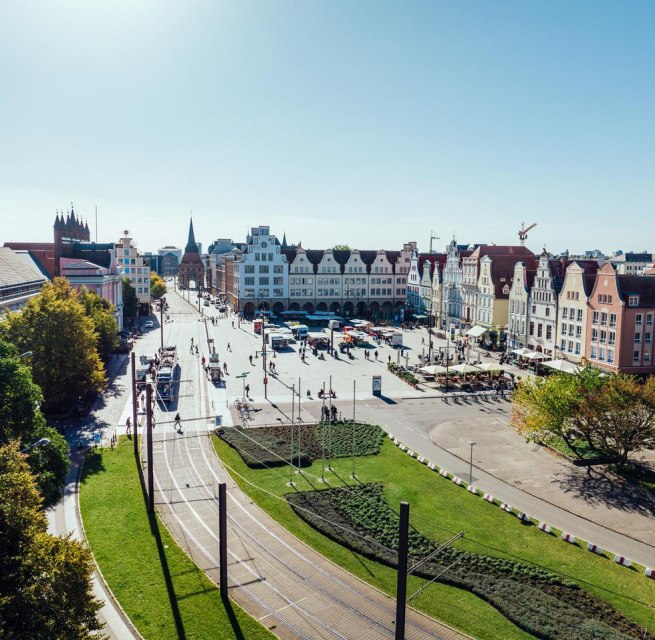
(159, 587)
(439, 508)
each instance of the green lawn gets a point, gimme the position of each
(439, 509)
(160, 588)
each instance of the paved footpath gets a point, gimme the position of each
(64, 518)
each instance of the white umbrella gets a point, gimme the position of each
(521, 352)
(535, 355)
(464, 368)
(433, 370)
(491, 366)
(562, 365)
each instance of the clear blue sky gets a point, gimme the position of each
(367, 123)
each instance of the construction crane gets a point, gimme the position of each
(433, 237)
(523, 232)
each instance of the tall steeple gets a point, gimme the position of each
(284, 240)
(191, 246)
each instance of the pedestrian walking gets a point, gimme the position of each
(128, 427)
(376, 354)
(247, 389)
(229, 348)
(389, 360)
(250, 359)
(225, 367)
(333, 411)
(178, 422)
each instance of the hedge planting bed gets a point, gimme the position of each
(537, 601)
(261, 447)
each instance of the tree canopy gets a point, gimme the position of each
(341, 247)
(45, 580)
(157, 286)
(130, 300)
(63, 341)
(101, 312)
(614, 413)
(21, 420)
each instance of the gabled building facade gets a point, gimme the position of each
(133, 268)
(519, 309)
(579, 280)
(451, 287)
(492, 308)
(621, 321)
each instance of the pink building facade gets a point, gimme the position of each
(620, 321)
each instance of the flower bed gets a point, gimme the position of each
(271, 446)
(537, 601)
(407, 376)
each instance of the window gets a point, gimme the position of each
(577, 348)
(578, 332)
(647, 338)
(594, 318)
(635, 356)
(278, 268)
(649, 319)
(549, 332)
(601, 354)
(633, 301)
(594, 353)
(263, 268)
(647, 356)
(603, 318)
(610, 356)
(540, 330)
(263, 281)
(564, 325)
(570, 346)
(249, 268)
(249, 280)
(565, 313)
(579, 318)
(612, 319)
(612, 337)
(547, 311)
(278, 281)
(594, 335)
(637, 337)
(639, 318)
(562, 344)
(603, 336)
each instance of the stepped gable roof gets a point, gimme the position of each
(501, 250)
(642, 286)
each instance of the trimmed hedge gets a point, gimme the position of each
(537, 601)
(262, 447)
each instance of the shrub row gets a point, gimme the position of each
(536, 600)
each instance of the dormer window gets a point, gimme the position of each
(633, 301)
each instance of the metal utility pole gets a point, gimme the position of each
(134, 405)
(161, 322)
(222, 539)
(293, 402)
(401, 584)
(432, 237)
(330, 431)
(471, 444)
(151, 475)
(323, 437)
(264, 358)
(354, 386)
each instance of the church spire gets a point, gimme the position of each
(284, 240)
(191, 246)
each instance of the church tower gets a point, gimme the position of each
(191, 271)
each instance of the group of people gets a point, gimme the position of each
(326, 394)
(329, 413)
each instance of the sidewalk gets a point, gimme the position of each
(64, 517)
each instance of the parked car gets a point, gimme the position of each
(149, 324)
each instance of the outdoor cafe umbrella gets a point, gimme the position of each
(534, 355)
(491, 366)
(521, 352)
(562, 365)
(464, 368)
(433, 370)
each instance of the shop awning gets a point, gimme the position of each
(476, 331)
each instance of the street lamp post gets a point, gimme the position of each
(42, 442)
(471, 444)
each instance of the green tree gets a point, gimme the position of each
(62, 339)
(341, 247)
(45, 581)
(614, 413)
(130, 301)
(101, 312)
(157, 286)
(21, 420)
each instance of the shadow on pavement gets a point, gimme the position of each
(597, 486)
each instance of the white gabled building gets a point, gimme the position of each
(260, 273)
(131, 263)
